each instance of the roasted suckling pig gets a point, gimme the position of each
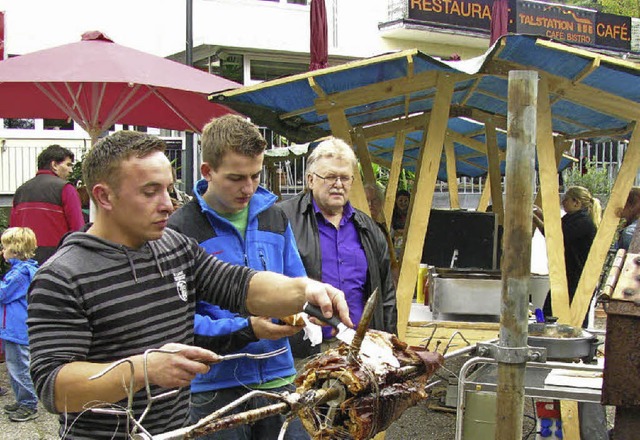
(376, 386)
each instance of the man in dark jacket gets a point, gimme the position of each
(48, 204)
(339, 244)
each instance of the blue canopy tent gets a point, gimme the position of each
(407, 108)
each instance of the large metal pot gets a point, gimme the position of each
(563, 342)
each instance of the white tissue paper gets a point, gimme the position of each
(312, 332)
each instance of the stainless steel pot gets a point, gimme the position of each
(563, 342)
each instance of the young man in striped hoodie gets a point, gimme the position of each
(127, 285)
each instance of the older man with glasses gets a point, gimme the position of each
(339, 244)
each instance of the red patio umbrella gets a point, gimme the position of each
(319, 44)
(98, 83)
(499, 19)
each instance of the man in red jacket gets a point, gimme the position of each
(48, 204)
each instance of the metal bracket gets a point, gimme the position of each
(511, 355)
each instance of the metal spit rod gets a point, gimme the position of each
(310, 398)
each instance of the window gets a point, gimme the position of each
(230, 67)
(57, 124)
(22, 124)
(264, 70)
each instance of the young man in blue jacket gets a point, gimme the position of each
(236, 220)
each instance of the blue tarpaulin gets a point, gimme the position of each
(591, 95)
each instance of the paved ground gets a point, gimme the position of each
(44, 427)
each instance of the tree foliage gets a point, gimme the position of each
(592, 177)
(629, 8)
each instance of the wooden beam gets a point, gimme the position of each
(498, 120)
(606, 230)
(628, 65)
(593, 65)
(341, 129)
(478, 115)
(472, 143)
(516, 272)
(480, 167)
(610, 133)
(422, 199)
(590, 97)
(495, 177)
(464, 140)
(452, 174)
(550, 194)
(384, 130)
(301, 76)
(362, 151)
(378, 91)
(570, 420)
(471, 91)
(483, 202)
(407, 97)
(394, 176)
(316, 87)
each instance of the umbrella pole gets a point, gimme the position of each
(94, 134)
(516, 264)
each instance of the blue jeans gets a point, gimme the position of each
(17, 360)
(203, 404)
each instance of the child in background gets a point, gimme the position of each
(18, 248)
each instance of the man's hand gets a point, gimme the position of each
(265, 328)
(272, 294)
(329, 299)
(79, 383)
(170, 370)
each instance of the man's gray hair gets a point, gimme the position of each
(331, 147)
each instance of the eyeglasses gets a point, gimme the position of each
(332, 180)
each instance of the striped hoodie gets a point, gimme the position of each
(98, 301)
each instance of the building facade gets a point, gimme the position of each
(249, 41)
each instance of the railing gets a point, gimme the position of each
(607, 155)
(19, 163)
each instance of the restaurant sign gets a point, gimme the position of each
(473, 14)
(613, 31)
(556, 21)
(560, 22)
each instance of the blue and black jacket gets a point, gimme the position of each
(13, 300)
(269, 244)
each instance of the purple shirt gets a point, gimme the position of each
(344, 263)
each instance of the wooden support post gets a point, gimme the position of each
(606, 230)
(341, 129)
(362, 151)
(422, 199)
(550, 193)
(483, 203)
(495, 176)
(274, 180)
(523, 93)
(558, 142)
(394, 176)
(570, 420)
(452, 174)
(369, 177)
